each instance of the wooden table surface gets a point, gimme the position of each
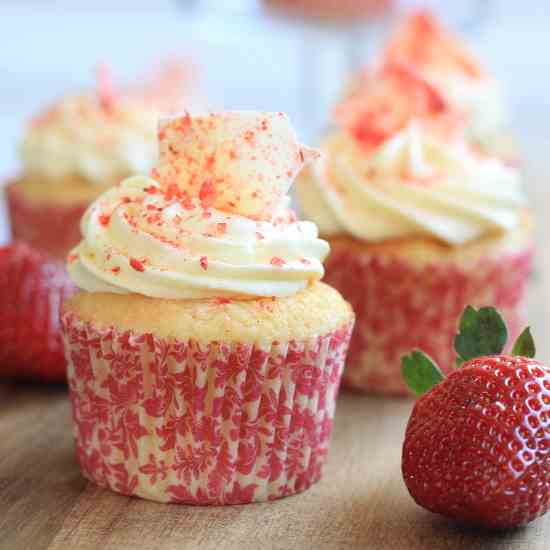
(361, 502)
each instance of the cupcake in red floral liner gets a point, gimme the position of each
(204, 354)
(424, 46)
(419, 224)
(79, 147)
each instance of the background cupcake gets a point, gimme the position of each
(204, 355)
(77, 148)
(333, 10)
(419, 223)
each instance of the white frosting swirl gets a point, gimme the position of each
(481, 100)
(412, 185)
(78, 137)
(143, 238)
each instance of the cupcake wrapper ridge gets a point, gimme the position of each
(400, 307)
(204, 424)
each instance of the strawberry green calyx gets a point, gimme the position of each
(420, 372)
(482, 332)
(525, 345)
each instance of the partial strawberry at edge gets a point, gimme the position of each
(477, 445)
(32, 288)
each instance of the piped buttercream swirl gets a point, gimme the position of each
(79, 137)
(139, 239)
(192, 232)
(414, 184)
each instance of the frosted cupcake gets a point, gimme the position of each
(423, 45)
(204, 354)
(419, 224)
(76, 149)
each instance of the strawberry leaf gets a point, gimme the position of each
(420, 372)
(525, 345)
(481, 332)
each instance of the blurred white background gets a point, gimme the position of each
(48, 48)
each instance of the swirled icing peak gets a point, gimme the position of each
(180, 236)
(413, 185)
(239, 162)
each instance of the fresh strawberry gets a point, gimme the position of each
(477, 445)
(32, 287)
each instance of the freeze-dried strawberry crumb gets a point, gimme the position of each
(207, 194)
(137, 265)
(278, 262)
(104, 219)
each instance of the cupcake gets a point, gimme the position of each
(426, 47)
(204, 354)
(333, 10)
(419, 223)
(76, 149)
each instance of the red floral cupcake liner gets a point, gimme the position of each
(400, 307)
(201, 424)
(32, 288)
(54, 229)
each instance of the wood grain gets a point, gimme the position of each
(360, 504)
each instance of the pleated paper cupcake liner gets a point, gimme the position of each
(54, 229)
(401, 307)
(205, 424)
(32, 288)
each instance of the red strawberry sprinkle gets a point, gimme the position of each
(104, 219)
(137, 265)
(207, 194)
(278, 262)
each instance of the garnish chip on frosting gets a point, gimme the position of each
(389, 100)
(240, 162)
(433, 51)
(425, 43)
